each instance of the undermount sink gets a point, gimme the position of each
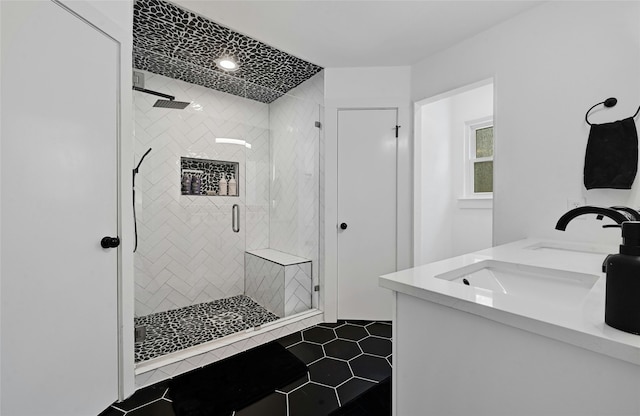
(542, 284)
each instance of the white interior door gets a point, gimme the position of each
(60, 92)
(367, 207)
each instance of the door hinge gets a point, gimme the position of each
(397, 127)
(138, 79)
(318, 124)
(140, 333)
(316, 288)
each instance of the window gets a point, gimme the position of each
(479, 163)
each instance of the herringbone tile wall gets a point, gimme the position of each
(297, 288)
(283, 290)
(295, 158)
(187, 251)
(265, 283)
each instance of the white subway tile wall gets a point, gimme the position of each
(265, 283)
(297, 288)
(187, 251)
(283, 289)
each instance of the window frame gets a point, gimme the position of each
(470, 159)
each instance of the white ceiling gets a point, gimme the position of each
(352, 33)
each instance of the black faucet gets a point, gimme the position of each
(635, 215)
(617, 214)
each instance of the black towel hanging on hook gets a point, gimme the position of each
(611, 159)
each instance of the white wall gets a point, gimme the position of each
(433, 184)
(283, 289)
(119, 12)
(471, 224)
(448, 224)
(550, 65)
(365, 88)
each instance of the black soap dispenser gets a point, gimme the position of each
(622, 301)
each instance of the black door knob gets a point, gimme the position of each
(343, 226)
(110, 242)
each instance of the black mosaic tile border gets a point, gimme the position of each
(186, 327)
(177, 43)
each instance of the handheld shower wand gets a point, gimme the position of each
(135, 222)
(137, 168)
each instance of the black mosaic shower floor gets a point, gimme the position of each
(182, 328)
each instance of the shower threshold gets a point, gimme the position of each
(178, 329)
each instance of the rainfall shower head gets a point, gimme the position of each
(178, 105)
(168, 103)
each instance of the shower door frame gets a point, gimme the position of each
(163, 367)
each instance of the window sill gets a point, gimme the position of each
(475, 202)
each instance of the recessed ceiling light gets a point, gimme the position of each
(226, 64)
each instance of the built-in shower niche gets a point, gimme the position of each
(202, 177)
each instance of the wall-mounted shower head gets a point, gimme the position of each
(178, 105)
(168, 103)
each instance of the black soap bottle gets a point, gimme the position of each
(622, 301)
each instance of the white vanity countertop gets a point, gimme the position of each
(581, 325)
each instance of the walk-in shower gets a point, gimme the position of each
(227, 229)
(228, 203)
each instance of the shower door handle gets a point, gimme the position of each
(235, 218)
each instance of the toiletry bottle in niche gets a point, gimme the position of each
(186, 184)
(622, 297)
(233, 188)
(196, 184)
(222, 185)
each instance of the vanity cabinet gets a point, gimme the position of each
(458, 350)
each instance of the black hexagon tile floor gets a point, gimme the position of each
(345, 359)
